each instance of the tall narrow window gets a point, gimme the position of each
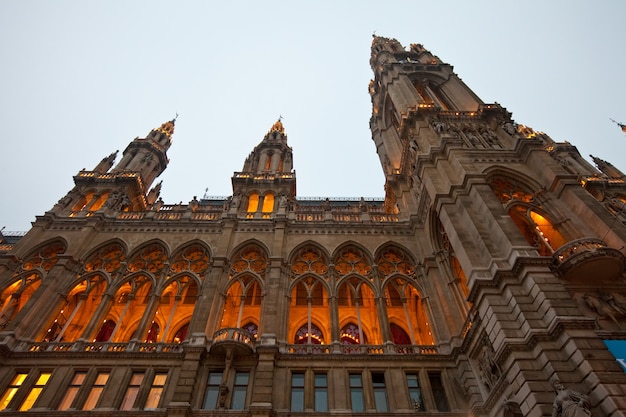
(268, 203)
(212, 390)
(156, 391)
(72, 390)
(297, 391)
(96, 391)
(11, 390)
(415, 393)
(321, 392)
(380, 392)
(132, 391)
(439, 393)
(357, 400)
(35, 391)
(239, 391)
(253, 202)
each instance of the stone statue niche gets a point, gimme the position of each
(609, 309)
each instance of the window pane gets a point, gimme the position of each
(415, 393)
(297, 392)
(438, 391)
(96, 390)
(380, 392)
(212, 391)
(356, 393)
(129, 398)
(239, 391)
(35, 392)
(153, 398)
(70, 394)
(321, 392)
(17, 381)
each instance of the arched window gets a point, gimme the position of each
(128, 307)
(351, 334)
(152, 258)
(15, 296)
(181, 334)
(108, 258)
(528, 215)
(398, 335)
(105, 332)
(405, 310)
(268, 203)
(253, 202)
(76, 313)
(309, 298)
(175, 305)
(309, 334)
(243, 300)
(356, 302)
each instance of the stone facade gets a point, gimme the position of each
(485, 283)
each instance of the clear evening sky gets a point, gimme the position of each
(81, 79)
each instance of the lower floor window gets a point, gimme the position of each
(321, 392)
(240, 390)
(212, 390)
(357, 400)
(380, 392)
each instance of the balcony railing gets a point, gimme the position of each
(82, 346)
(387, 349)
(239, 339)
(588, 259)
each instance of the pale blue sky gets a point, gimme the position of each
(81, 79)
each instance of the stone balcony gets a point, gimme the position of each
(240, 341)
(588, 259)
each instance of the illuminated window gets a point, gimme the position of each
(306, 336)
(380, 392)
(72, 390)
(253, 202)
(321, 392)
(357, 399)
(240, 390)
(132, 391)
(268, 203)
(11, 390)
(96, 391)
(415, 392)
(212, 390)
(156, 391)
(297, 391)
(35, 391)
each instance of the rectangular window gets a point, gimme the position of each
(72, 390)
(132, 391)
(356, 393)
(11, 390)
(380, 392)
(297, 392)
(212, 390)
(439, 393)
(321, 392)
(156, 391)
(415, 393)
(96, 390)
(239, 391)
(35, 391)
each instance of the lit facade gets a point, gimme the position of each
(485, 283)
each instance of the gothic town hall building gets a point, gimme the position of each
(490, 280)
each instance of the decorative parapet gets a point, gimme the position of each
(588, 259)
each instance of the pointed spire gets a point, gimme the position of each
(106, 163)
(167, 128)
(278, 126)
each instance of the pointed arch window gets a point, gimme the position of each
(128, 307)
(352, 334)
(194, 258)
(151, 258)
(309, 298)
(356, 303)
(15, 296)
(309, 260)
(77, 311)
(175, 305)
(243, 302)
(309, 334)
(405, 310)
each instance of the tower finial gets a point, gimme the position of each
(621, 125)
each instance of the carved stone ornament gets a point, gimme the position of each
(569, 403)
